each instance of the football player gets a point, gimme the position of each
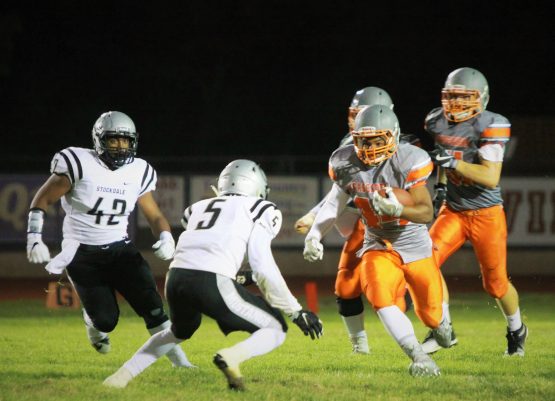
(397, 246)
(220, 233)
(98, 189)
(470, 142)
(347, 282)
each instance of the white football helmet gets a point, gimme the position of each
(243, 177)
(465, 95)
(115, 124)
(376, 134)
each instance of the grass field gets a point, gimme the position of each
(45, 356)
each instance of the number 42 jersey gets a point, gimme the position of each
(100, 201)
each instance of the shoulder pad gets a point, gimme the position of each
(266, 214)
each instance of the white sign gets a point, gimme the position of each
(529, 204)
(294, 196)
(170, 196)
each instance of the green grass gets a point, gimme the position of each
(45, 356)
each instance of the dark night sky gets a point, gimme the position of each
(252, 78)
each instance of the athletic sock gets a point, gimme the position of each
(175, 354)
(156, 346)
(514, 322)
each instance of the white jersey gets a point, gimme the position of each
(100, 201)
(223, 232)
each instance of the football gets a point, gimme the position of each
(404, 197)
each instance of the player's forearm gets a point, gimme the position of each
(420, 213)
(327, 215)
(159, 224)
(486, 175)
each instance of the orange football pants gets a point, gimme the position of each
(382, 272)
(347, 282)
(486, 229)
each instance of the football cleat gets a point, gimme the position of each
(120, 379)
(442, 333)
(423, 365)
(360, 345)
(103, 346)
(232, 373)
(430, 345)
(516, 340)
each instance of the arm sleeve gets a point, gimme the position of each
(334, 204)
(266, 272)
(66, 162)
(317, 208)
(149, 179)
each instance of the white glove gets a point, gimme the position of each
(37, 251)
(313, 250)
(165, 248)
(304, 223)
(389, 206)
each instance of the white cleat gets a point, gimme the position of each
(360, 345)
(430, 345)
(422, 366)
(120, 379)
(443, 333)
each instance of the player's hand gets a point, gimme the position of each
(440, 194)
(37, 251)
(389, 206)
(244, 278)
(313, 250)
(309, 323)
(441, 158)
(165, 247)
(304, 223)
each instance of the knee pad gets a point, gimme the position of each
(350, 307)
(155, 318)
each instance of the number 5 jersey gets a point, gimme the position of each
(99, 204)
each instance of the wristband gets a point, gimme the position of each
(35, 221)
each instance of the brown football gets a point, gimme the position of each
(404, 197)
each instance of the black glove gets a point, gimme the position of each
(309, 323)
(244, 278)
(441, 158)
(440, 194)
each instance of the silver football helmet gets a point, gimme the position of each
(365, 97)
(376, 134)
(465, 95)
(243, 177)
(115, 124)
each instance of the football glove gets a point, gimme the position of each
(440, 194)
(165, 247)
(441, 158)
(309, 323)
(37, 251)
(389, 206)
(304, 223)
(244, 278)
(313, 250)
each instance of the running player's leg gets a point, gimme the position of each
(100, 307)
(381, 276)
(489, 239)
(134, 280)
(348, 291)
(187, 320)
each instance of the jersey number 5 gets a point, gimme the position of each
(203, 225)
(118, 203)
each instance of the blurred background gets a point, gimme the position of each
(207, 82)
